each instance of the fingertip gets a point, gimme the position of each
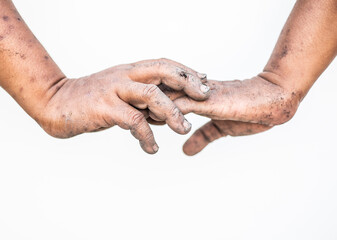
(148, 148)
(188, 149)
(194, 144)
(187, 126)
(177, 122)
(155, 148)
(202, 76)
(197, 89)
(205, 89)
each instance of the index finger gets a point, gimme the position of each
(172, 74)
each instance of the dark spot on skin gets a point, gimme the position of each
(284, 51)
(46, 57)
(248, 132)
(286, 113)
(21, 89)
(22, 56)
(31, 42)
(5, 18)
(275, 65)
(269, 116)
(32, 79)
(1, 37)
(19, 19)
(183, 74)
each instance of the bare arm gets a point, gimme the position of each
(67, 107)
(27, 72)
(306, 46)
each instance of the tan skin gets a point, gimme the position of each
(123, 95)
(306, 46)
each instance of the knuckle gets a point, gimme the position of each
(175, 112)
(136, 119)
(151, 90)
(205, 135)
(163, 60)
(108, 120)
(148, 137)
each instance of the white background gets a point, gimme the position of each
(278, 185)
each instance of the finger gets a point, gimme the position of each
(201, 138)
(144, 112)
(131, 119)
(154, 122)
(172, 74)
(187, 105)
(214, 130)
(171, 93)
(160, 106)
(207, 108)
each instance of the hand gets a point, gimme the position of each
(111, 97)
(238, 108)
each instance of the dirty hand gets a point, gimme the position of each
(117, 96)
(238, 108)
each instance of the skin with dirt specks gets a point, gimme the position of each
(117, 96)
(307, 45)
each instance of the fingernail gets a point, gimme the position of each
(187, 125)
(202, 75)
(204, 88)
(155, 148)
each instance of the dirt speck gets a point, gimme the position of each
(183, 74)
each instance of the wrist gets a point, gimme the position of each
(286, 99)
(39, 98)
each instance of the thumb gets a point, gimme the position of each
(216, 129)
(201, 138)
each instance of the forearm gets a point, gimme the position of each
(306, 46)
(27, 72)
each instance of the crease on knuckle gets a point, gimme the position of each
(220, 132)
(136, 119)
(175, 112)
(150, 90)
(148, 137)
(204, 134)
